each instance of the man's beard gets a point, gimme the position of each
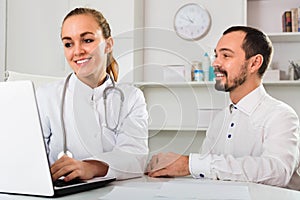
(239, 80)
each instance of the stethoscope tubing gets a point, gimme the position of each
(62, 114)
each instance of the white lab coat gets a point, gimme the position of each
(124, 150)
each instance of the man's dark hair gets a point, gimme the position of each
(255, 42)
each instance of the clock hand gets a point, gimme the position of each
(192, 21)
(187, 19)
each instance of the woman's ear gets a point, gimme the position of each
(109, 45)
(256, 62)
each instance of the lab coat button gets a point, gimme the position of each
(201, 175)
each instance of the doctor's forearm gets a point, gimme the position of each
(97, 167)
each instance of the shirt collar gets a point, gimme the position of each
(85, 90)
(249, 103)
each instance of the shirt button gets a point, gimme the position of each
(201, 175)
(232, 124)
(229, 135)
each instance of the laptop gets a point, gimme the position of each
(25, 167)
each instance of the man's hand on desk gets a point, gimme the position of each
(168, 165)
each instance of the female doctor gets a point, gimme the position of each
(92, 127)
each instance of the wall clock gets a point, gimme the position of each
(192, 21)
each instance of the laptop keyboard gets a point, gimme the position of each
(62, 183)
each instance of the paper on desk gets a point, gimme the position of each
(182, 189)
(178, 190)
(5, 197)
(122, 192)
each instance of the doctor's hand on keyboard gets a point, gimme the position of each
(62, 183)
(71, 169)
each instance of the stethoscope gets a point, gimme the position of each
(105, 95)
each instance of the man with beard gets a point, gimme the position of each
(256, 137)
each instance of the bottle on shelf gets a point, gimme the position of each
(205, 65)
(211, 68)
(211, 73)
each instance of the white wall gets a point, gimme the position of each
(2, 37)
(33, 39)
(164, 47)
(33, 36)
(182, 142)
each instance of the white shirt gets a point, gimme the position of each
(88, 137)
(257, 140)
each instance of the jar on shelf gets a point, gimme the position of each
(197, 71)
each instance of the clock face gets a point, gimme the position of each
(192, 22)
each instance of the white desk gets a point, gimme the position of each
(257, 191)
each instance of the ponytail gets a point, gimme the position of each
(112, 67)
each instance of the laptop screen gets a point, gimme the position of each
(24, 163)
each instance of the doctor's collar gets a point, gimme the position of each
(99, 84)
(86, 92)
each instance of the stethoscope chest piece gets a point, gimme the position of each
(67, 153)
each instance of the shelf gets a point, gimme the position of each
(282, 83)
(172, 84)
(267, 16)
(285, 37)
(207, 84)
(177, 129)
